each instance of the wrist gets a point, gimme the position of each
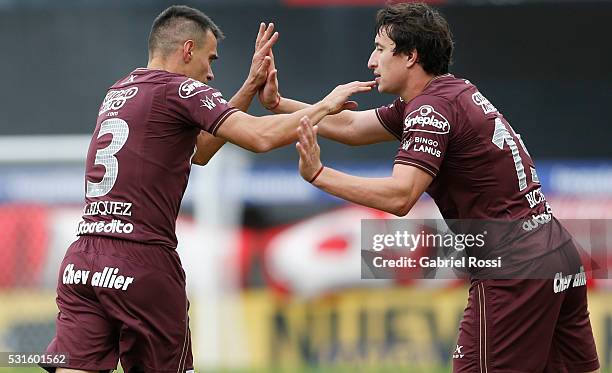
(275, 104)
(249, 87)
(325, 107)
(316, 175)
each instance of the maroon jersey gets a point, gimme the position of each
(140, 154)
(480, 166)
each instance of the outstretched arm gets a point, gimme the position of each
(395, 194)
(208, 145)
(347, 127)
(261, 134)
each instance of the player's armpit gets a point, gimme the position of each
(207, 146)
(355, 128)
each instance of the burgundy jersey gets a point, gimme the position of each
(481, 167)
(140, 154)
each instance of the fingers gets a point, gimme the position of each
(262, 27)
(266, 33)
(301, 151)
(365, 85)
(350, 105)
(308, 133)
(267, 46)
(265, 65)
(272, 76)
(271, 54)
(302, 137)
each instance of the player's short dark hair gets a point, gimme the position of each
(417, 26)
(176, 24)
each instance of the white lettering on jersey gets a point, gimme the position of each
(535, 221)
(534, 176)
(114, 226)
(104, 208)
(428, 146)
(114, 100)
(219, 98)
(535, 197)
(426, 119)
(480, 100)
(191, 87)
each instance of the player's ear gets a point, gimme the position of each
(412, 58)
(188, 47)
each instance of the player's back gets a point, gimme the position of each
(481, 169)
(139, 158)
(490, 170)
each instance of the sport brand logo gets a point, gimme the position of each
(191, 87)
(426, 119)
(457, 354)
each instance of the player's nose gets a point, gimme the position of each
(372, 63)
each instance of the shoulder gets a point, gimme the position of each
(186, 88)
(428, 113)
(448, 88)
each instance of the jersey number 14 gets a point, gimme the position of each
(502, 135)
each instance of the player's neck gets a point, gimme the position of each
(416, 84)
(161, 64)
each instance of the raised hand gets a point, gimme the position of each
(262, 57)
(337, 100)
(308, 149)
(268, 94)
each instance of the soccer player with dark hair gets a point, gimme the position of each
(121, 287)
(456, 146)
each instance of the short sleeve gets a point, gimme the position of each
(427, 130)
(198, 104)
(391, 117)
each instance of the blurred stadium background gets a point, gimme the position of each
(273, 265)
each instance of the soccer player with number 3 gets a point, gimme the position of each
(458, 147)
(121, 287)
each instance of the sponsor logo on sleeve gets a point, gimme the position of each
(219, 98)
(208, 103)
(486, 105)
(115, 99)
(406, 144)
(426, 119)
(425, 145)
(191, 87)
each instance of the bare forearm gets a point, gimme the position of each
(243, 98)
(334, 127)
(380, 193)
(280, 130)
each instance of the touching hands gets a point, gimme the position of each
(262, 58)
(309, 150)
(268, 94)
(337, 100)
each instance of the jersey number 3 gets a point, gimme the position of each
(119, 129)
